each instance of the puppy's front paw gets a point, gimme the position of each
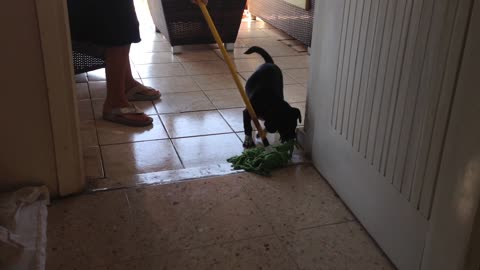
(248, 142)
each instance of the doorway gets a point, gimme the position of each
(198, 120)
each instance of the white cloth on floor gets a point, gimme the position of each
(23, 229)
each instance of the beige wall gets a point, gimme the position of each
(27, 151)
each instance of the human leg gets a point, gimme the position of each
(134, 89)
(116, 59)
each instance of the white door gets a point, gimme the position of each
(382, 81)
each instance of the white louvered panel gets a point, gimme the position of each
(379, 89)
(338, 81)
(389, 84)
(416, 105)
(395, 147)
(449, 43)
(396, 102)
(433, 70)
(372, 75)
(369, 31)
(352, 91)
(388, 88)
(347, 57)
(357, 91)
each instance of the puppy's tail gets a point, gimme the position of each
(262, 52)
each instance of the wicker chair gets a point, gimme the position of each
(87, 57)
(299, 23)
(182, 22)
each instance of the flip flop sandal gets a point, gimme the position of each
(117, 116)
(137, 93)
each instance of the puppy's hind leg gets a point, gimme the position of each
(248, 142)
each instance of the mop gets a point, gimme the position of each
(257, 160)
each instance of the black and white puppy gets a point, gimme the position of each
(265, 91)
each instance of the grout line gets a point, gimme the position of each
(161, 122)
(206, 135)
(221, 108)
(195, 81)
(176, 152)
(102, 165)
(224, 119)
(104, 170)
(124, 143)
(175, 138)
(327, 225)
(191, 112)
(176, 92)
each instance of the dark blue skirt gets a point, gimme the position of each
(107, 23)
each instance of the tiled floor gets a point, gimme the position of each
(290, 221)
(198, 120)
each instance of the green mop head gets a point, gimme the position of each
(263, 160)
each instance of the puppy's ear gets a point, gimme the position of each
(298, 115)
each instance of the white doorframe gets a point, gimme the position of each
(458, 191)
(55, 39)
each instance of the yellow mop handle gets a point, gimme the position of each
(233, 70)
